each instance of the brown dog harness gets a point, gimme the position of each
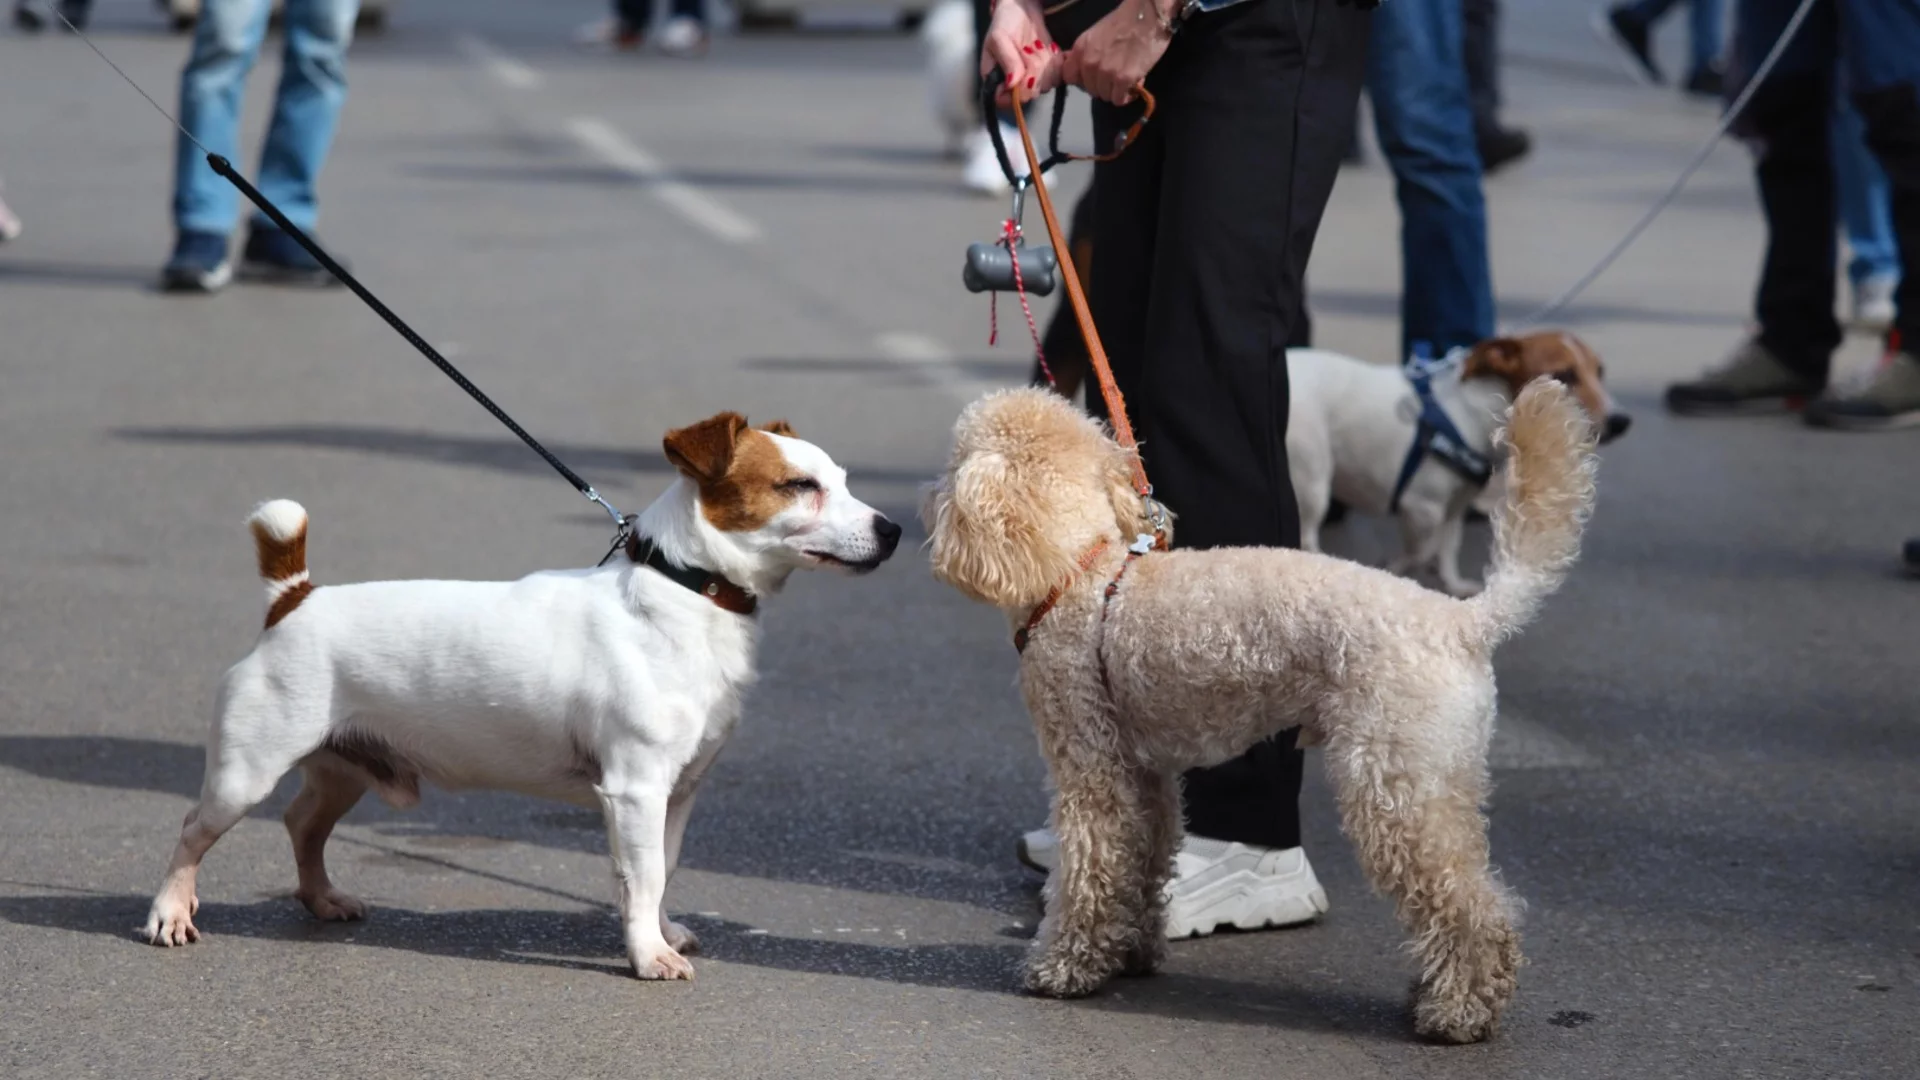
(1025, 633)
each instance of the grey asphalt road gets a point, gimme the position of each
(1709, 761)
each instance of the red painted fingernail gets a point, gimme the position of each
(1027, 49)
(1036, 43)
(1029, 84)
(1056, 46)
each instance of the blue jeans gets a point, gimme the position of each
(1423, 115)
(1703, 34)
(313, 84)
(1864, 208)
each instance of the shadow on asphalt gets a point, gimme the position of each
(82, 275)
(589, 941)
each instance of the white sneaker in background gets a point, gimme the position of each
(1873, 307)
(683, 36)
(982, 171)
(1217, 883)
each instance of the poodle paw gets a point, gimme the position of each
(1052, 976)
(663, 965)
(680, 939)
(1454, 1021)
(332, 905)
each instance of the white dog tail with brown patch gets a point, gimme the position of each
(1549, 493)
(280, 540)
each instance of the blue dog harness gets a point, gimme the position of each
(1435, 433)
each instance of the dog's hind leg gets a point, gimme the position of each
(1159, 795)
(331, 789)
(1090, 925)
(1423, 841)
(253, 745)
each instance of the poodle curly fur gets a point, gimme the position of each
(1200, 654)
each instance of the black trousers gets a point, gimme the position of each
(1202, 232)
(1876, 44)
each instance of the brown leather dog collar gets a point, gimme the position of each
(1087, 560)
(725, 594)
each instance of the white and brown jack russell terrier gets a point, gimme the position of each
(1419, 444)
(611, 688)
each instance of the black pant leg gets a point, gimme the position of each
(1204, 230)
(1482, 22)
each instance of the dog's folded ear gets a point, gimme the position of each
(704, 451)
(779, 427)
(1500, 358)
(991, 535)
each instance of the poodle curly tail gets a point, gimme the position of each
(1549, 494)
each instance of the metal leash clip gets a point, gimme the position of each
(990, 266)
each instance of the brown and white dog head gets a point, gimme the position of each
(1558, 355)
(769, 502)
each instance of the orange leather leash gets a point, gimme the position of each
(1077, 297)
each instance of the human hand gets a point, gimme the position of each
(1018, 44)
(1115, 54)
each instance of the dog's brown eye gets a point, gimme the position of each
(799, 484)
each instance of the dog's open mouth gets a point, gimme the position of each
(867, 566)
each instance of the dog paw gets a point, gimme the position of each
(170, 925)
(1457, 1022)
(1053, 977)
(663, 966)
(332, 905)
(680, 939)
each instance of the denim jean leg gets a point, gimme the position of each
(1423, 115)
(1704, 33)
(1864, 209)
(226, 41)
(313, 86)
(689, 9)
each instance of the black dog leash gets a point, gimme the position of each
(225, 169)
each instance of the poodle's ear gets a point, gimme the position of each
(991, 534)
(1129, 509)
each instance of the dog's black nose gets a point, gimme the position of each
(1617, 425)
(888, 532)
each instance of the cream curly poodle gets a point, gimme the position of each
(1136, 668)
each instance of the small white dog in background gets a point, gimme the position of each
(953, 66)
(611, 688)
(1352, 430)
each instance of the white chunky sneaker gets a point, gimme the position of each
(1217, 883)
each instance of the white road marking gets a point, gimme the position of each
(504, 69)
(696, 206)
